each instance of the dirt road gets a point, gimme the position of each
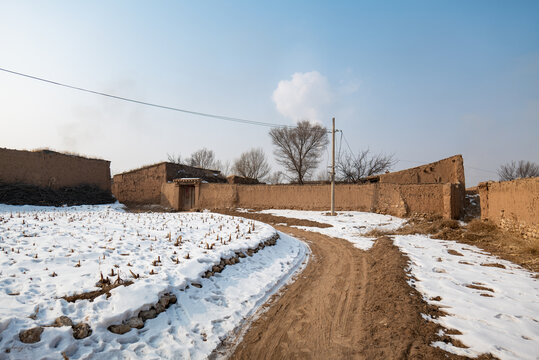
(347, 304)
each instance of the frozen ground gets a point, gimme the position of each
(492, 302)
(349, 225)
(47, 253)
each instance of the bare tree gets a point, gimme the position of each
(516, 170)
(224, 167)
(352, 168)
(275, 178)
(299, 149)
(174, 159)
(203, 158)
(323, 175)
(252, 164)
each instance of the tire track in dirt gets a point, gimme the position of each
(346, 304)
(316, 314)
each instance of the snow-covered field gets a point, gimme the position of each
(492, 302)
(47, 253)
(349, 225)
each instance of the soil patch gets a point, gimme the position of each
(272, 219)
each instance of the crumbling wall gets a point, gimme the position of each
(450, 170)
(512, 205)
(394, 199)
(235, 179)
(50, 169)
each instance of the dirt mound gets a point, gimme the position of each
(22, 194)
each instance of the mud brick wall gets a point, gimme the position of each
(140, 186)
(143, 186)
(170, 195)
(51, 169)
(512, 205)
(450, 170)
(394, 199)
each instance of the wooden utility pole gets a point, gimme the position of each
(333, 170)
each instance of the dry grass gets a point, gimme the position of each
(483, 234)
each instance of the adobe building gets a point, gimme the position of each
(143, 185)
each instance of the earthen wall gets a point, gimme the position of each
(512, 205)
(450, 170)
(141, 186)
(51, 169)
(394, 199)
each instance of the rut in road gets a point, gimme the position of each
(346, 304)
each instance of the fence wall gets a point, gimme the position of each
(395, 199)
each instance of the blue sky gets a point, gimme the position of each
(422, 80)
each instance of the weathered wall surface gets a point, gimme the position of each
(170, 196)
(450, 170)
(512, 205)
(51, 169)
(141, 186)
(411, 194)
(394, 199)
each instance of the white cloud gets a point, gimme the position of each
(304, 97)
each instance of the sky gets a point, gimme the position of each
(421, 80)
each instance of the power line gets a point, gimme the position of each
(423, 162)
(474, 168)
(197, 113)
(347, 144)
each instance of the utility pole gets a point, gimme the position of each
(333, 170)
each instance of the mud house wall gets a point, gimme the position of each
(450, 170)
(141, 186)
(170, 196)
(512, 205)
(394, 199)
(51, 169)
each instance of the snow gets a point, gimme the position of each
(37, 242)
(504, 321)
(348, 225)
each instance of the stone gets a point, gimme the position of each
(81, 331)
(196, 285)
(166, 300)
(159, 308)
(135, 322)
(120, 329)
(31, 336)
(62, 321)
(147, 314)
